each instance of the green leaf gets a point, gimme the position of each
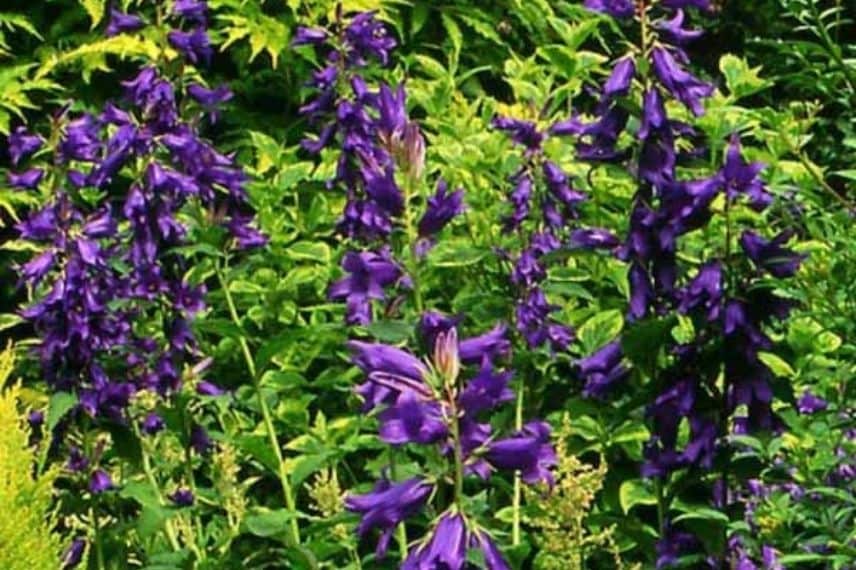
(739, 77)
(703, 513)
(9, 320)
(310, 251)
(390, 332)
(635, 492)
(59, 405)
(266, 523)
(95, 11)
(778, 366)
(600, 329)
(450, 253)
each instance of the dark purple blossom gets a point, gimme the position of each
(121, 23)
(309, 36)
(387, 505)
(740, 177)
(191, 10)
(366, 37)
(673, 30)
(22, 144)
(73, 555)
(603, 370)
(152, 424)
(194, 45)
(100, 482)
(528, 451)
(493, 558)
(200, 441)
(594, 238)
(446, 548)
(809, 403)
(441, 209)
(182, 497)
(770, 256)
(370, 274)
(704, 291)
(688, 89)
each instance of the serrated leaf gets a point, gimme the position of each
(95, 10)
(740, 79)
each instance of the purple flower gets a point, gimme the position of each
(200, 441)
(23, 144)
(387, 505)
(446, 548)
(674, 544)
(308, 36)
(366, 37)
(194, 45)
(205, 388)
(618, 83)
(35, 419)
(152, 424)
(210, 98)
(594, 238)
(615, 8)
(528, 451)
(673, 31)
(684, 86)
(369, 274)
(441, 208)
(100, 482)
(603, 370)
(810, 404)
(390, 372)
(73, 555)
(191, 10)
(77, 461)
(182, 497)
(641, 292)
(519, 199)
(740, 177)
(704, 291)
(246, 236)
(603, 136)
(121, 23)
(411, 419)
(493, 558)
(524, 133)
(486, 390)
(533, 322)
(770, 255)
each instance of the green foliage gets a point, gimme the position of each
(27, 537)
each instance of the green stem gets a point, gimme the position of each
(401, 530)
(661, 505)
(412, 239)
(287, 492)
(147, 469)
(515, 505)
(459, 461)
(99, 553)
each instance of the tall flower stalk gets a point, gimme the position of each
(717, 381)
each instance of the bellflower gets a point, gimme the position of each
(369, 275)
(121, 23)
(809, 403)
(615, 8)
(387, 505)
(28, 179)
(603, 370)
(100, 482)
(22, 144)
(528, 451)
(770, 255)
(684, 86)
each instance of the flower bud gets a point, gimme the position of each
(446, 359)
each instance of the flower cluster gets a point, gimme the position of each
(114, 307)
(728, 298)
(542, 182)
(380, 149)
(426, 403)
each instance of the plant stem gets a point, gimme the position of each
(99, 553)
(515, 504)
(412, 239)
(661, 506)
(266, 415)
(401, 530)
(147, 469)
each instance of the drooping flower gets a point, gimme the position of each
(22, 144)
(528, 451)
(387, 505)
(769, 255)
(446, 548)
(688, 89)
(370, 274)
(182, 497)
(810, 403)
(441, 209)
(603, 370)
(100, 482)
(73, 555)
(615, 8)
(493, 558)
(742, 178)
(121, 23)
